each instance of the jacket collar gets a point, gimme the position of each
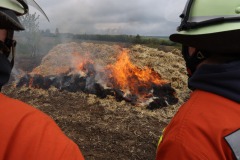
(221, 79)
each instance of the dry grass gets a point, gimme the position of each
(104, 128)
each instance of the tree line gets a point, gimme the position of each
(134, 39)
(126, 39)
(33, 39)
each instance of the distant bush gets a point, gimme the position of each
(154, 42)
(149, 41)
(108, 38)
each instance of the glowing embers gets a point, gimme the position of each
(124, 80)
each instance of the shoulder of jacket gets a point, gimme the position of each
(17, 111)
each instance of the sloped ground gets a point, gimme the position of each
(103, 128)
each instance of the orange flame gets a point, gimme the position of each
(127, 76)
(80, 61)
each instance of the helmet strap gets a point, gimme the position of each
(11, 45)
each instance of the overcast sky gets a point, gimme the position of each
(144, 17)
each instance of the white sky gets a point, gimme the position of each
(144, 17)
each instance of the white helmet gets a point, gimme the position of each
(10, 9)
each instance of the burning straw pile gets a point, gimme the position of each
(103, 70)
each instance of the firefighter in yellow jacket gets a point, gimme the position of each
(207, 126)
(26, 133)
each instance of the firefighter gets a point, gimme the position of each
(207, 126)
(26, 133)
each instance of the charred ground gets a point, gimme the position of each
(105, 128)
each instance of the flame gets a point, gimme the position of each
(122, 79)
(80, 62)
(122, 75)
(127, 76)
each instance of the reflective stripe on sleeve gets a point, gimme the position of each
(161, 137)
(233, 141)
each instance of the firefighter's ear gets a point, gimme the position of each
(191, 50)
(3, 35)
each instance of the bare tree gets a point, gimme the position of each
(32, 34)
